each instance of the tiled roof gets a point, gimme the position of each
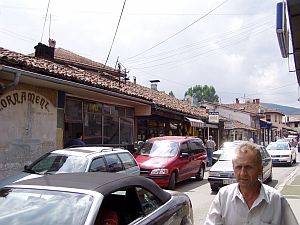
(72, 73)
(251, 108)
(239, 125)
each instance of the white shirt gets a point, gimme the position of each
(230, 208)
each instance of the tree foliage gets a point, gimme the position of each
(201, 93)
(171, 94)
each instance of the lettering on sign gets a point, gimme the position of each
(21, 97)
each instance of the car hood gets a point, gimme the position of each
(222, 166)
(153, 162)
(18, 177)
(279, 152)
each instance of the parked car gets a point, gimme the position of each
(79, 159)
(170, 159)
(81, 198)
(222, 174)
(282, 153)
(224, 146)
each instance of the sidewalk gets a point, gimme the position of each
(291, 190)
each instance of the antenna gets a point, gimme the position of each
(45, 21)
(50, 28)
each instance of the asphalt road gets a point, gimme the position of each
(201, 195)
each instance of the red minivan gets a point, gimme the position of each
(170, 159)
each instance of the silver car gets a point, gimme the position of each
(221, 173)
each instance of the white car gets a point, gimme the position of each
(282, 153)
(76, 160)
(224, 146)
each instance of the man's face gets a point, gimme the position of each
(246, 169)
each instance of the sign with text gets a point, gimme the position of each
(213, 117)
(228, 125)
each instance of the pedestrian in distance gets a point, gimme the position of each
(77, 141)
(210, 147)
(249, 201)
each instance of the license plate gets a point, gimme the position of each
(229, 181)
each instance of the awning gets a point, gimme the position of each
(265, 124)
(195, 122)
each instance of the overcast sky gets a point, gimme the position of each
(228, 44)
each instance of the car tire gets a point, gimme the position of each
(200, 174)
(172, 181)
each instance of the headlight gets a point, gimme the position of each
(159, 171)
(214, 173)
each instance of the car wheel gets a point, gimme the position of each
(172, 182)
(214, 188)
(200, 174)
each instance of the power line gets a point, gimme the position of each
(45, 20)
(165, 40)
(115, 33)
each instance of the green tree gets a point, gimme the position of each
(207, 93)
(171, 94)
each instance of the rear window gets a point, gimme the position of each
(114, 163)
(127, 160)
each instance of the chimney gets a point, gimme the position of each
(154, 84)
(44, 51)
(254, 101)
(258, 101)
(134, 79)
(237, 101)
(52, 43)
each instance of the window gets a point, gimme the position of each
(127, 160)
(73, 110)
(126, 130)
(148, 201)
(268, 118)
(113, 163)
(184, 148)
(98, 165)
(111, 130)
(93, 123)
(196, 147)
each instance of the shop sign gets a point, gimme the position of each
(213, 117)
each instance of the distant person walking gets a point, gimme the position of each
(77, 141)
(210, 147)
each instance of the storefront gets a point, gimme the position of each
(99, 123)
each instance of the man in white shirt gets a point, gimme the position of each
(249, 201)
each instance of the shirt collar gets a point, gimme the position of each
(262, 194)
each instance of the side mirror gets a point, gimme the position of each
(25, 167)
(184, 155)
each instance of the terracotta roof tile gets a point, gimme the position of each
(103, 80)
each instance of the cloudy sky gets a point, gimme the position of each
(228, 44)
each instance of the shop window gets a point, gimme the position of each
(110, 130)
(73, 110)
(106, 109)
(93, 123)
(126, 131)
(129, 113)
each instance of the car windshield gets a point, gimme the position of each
(36, 207)
(278, 146)
(58, 163)
(227, 155)
(161, 148)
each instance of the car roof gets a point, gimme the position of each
(174, 138)
(102, 182)
(88, 150)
